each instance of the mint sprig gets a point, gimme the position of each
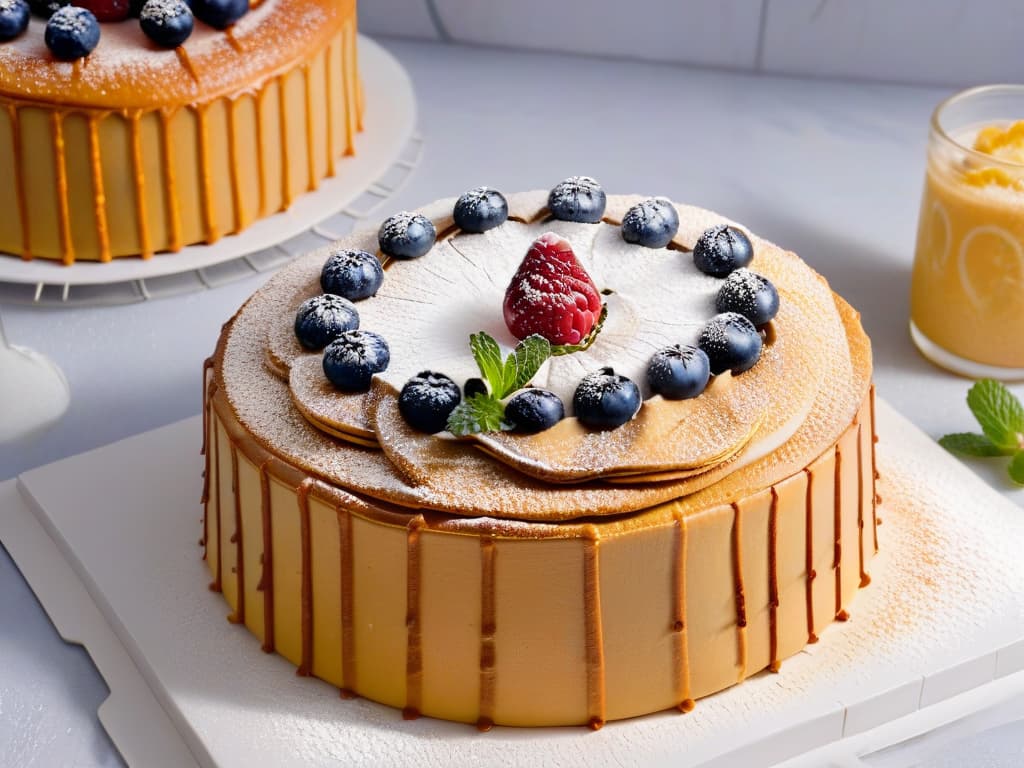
(1001, 417)
(486, 413)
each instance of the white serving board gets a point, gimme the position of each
(944, 615)
(389, 121)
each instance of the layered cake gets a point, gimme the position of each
(123, 136)
(549, 458)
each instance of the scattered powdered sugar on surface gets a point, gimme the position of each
(8, 5)
(448, 475)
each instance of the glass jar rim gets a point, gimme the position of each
(970, 93)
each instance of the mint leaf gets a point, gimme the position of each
(524, 362)
(971, 444)
(1016, 468)
(568, 349)
(999, 413)
(487, 354)
(480, 413)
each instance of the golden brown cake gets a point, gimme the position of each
(134, 150)
(571, 576)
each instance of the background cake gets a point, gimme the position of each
(136, 148)
(567, 575)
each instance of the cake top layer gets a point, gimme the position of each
(761, 424)
(128, 71)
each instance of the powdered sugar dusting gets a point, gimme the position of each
(451, 476)
(127, 70)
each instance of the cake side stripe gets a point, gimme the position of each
(282, 116)
(306, 597)
(307, 79)
(67, 246)
(172, 210)
(98, 192)
(238, 617)
(488, 632)
(773, 582)
(348, 643)
(809, 543)
(215, 585)
(139, 181)
(865, 577)
(874, 470)
(680, 645)
(741, 600)
(238, 218)
(261, 149)
(209, 212)
(331, 99)
(19, 181)
(414, 641)
(837, 558)
(594, 635)
(266, 584)
(349, 59)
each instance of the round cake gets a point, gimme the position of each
(136, 148)
(567, 458)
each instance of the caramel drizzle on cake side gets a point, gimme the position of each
(681, 660)
(217, 431)
(340, 96)
(773, 581)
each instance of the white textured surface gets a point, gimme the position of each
(946, 592)
(832, 170)
(925, 41)
(720, 33)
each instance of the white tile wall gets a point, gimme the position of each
(402, 18)
(721, 33)
(943, 42)
(925, 41)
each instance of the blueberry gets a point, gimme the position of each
(651, 223)
(322, 319)
(474, 387)
(406, 235)
(168, 23)
(534, 410)
(220, 14)
(678, 372)
(14, 15)
(72, 33)
(720, 250)
(427, 400)
(578, 198)
(356, 275)
(749, 294)
(46, 8)
(731, 343)
(605, 400)
(351, 360)
(480, 209)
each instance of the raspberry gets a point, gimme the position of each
(551, 294)
(106, 10)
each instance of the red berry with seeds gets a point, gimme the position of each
(551, 294)
(106, 10)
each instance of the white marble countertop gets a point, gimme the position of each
(832, 170)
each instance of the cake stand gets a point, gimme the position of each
(386, 153)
